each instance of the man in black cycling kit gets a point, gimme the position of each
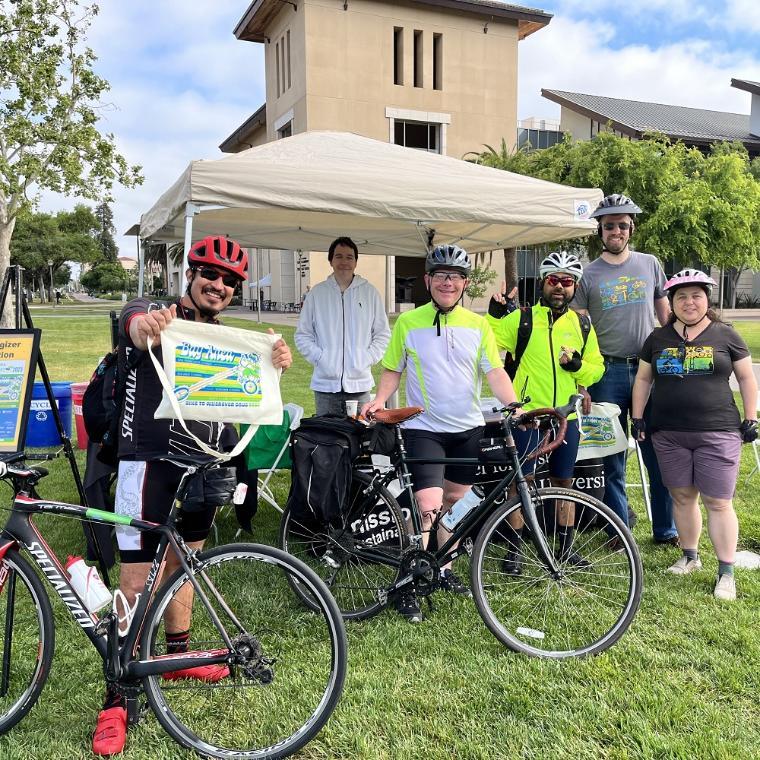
(146, 484)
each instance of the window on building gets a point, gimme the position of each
(437, 61)
(418, 59)
(417, 134)
(537, 138)
(277, 62)
(287, 42)
(398, 55)
(282, 54)
(286, 130)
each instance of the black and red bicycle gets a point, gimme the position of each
(286, 666)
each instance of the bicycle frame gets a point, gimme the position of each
(120, 664)
(452, 548)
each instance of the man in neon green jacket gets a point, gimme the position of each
(560, 354)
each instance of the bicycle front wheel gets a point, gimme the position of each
(358, 556)
(289, 664)
(593, 599)
(26, 638)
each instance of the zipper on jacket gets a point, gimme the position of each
(343, 342)
(551, 357)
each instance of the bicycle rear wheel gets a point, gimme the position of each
(583, 611)
(358, 558)
(27, 638)
(276, 701)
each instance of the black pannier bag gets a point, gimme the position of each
(323, 450)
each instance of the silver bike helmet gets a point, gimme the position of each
(448, 257)
(615, 204)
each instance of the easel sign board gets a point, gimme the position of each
(18, 362)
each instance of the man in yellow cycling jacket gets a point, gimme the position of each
(558, 357)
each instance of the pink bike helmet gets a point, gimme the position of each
(690, 277)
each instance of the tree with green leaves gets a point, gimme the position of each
(41, 238)
(479, 280)
(49, 98)
(104, 236)
(697, 208)
(106, 277)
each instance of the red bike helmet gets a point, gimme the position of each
(219, 252)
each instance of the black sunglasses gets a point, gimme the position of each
(624, 226)
(230, 280)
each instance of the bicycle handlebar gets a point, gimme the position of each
(560, 413)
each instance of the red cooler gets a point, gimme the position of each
(77, 394)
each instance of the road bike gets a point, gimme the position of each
(286, 666)
(532, 592)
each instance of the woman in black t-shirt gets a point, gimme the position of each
(694, 423)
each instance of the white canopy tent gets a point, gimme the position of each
(301, 192)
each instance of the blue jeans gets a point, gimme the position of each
(615, 387)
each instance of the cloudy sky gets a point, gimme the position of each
(181, 82)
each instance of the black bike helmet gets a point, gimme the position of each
(615, 204)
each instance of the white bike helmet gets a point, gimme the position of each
(448, 257)
(561, 262)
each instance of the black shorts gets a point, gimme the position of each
(145, 491)
(427, 444)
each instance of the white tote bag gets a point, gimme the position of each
(601, 432)
(218, 374)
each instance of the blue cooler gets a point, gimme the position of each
(41, 430)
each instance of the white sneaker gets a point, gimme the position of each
(725, 588)
(684, 566)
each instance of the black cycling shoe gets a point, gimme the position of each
(512, 563)
(408, 607)
(450, 582)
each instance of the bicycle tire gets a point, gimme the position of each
(243, 715)
(585, 611)
(32, 639)
(335, 552)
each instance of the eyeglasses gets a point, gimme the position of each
(624, 226)
(230, 280)
(444, 276)
(554, 280)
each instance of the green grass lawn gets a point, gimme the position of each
(682, 683)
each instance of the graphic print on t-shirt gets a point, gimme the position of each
(685, 360)
(622, 292)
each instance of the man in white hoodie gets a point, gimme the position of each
(342, 331)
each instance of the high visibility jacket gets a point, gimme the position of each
(547, 383)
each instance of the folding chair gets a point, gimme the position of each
(644, 484)
(267, 461)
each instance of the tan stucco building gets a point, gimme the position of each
(437, 75)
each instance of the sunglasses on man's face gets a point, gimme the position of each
(212, 275)
(553, 280)
(609, 226)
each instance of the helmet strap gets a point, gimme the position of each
(441, 310)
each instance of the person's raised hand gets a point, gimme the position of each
(281, 356)
(150, 325)
(502, 303)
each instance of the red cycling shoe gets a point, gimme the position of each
(111, 732)
(207, 673)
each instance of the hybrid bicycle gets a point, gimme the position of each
(286, 666)
(534, 594)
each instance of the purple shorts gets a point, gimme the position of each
(708, 460)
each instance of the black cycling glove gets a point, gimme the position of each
(574, 364)
(498, 310)
(638, 426)
(748, 430)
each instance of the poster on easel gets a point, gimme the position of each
(18, 363)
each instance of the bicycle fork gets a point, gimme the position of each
(537, 533)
